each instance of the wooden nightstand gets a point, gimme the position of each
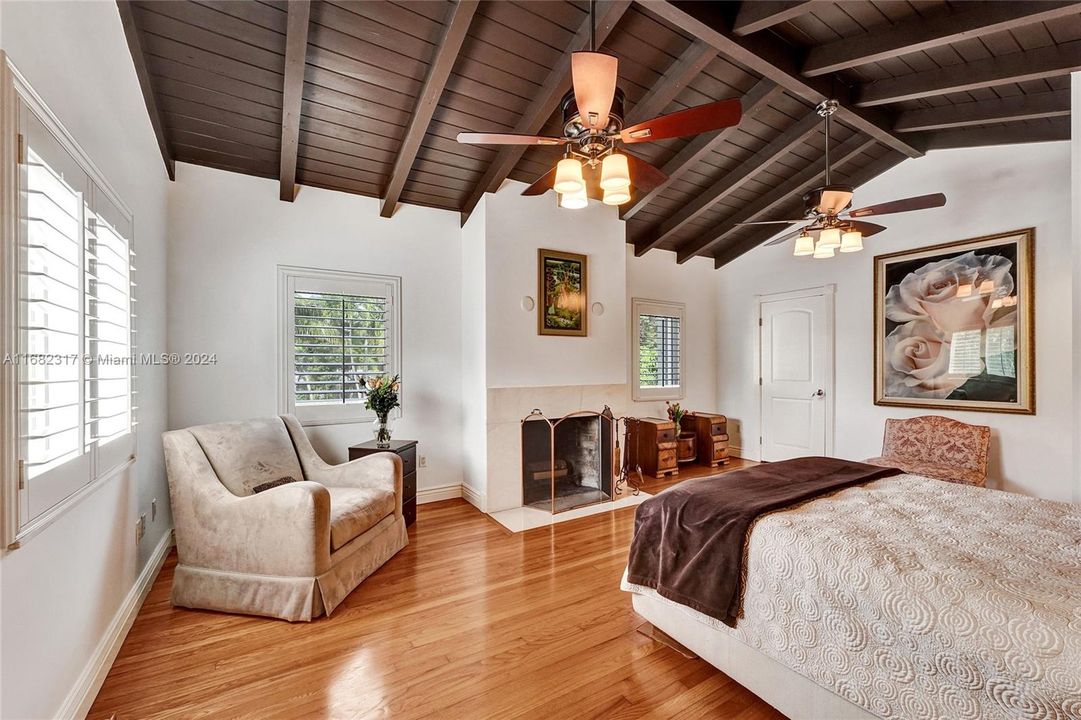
(407, 451)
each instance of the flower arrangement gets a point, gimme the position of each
(675, 414)
(382, 397)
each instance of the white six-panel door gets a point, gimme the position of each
(796, 338)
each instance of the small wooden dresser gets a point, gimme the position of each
(712, 433)
(655, 441)
(407, 451)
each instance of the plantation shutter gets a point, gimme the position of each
(74, 303)
(343, 328)
(658, 350)
(340, 340)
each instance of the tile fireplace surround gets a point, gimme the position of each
(507, 407)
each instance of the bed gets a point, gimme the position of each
(906, 597)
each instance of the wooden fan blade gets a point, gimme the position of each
(507, 139)
(920, 202)
(867, 229)
(542, 184)
(644, 177)
(786, 237)
(692, 121)
(594, 77)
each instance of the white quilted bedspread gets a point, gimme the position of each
(915, 598)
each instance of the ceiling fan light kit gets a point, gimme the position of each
(573, 201)
(593, 116)
(569, 176)
(805, 245)
(827, 215)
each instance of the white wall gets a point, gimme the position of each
(516, 227)
(989, 190)
(227, 235)
(474, 358)
(62, 588)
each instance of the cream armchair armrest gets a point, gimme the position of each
(283, 531)
(381, 470)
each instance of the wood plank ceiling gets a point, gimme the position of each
(367, 96)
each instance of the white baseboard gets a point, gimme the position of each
(77, 703)
(440, 492)
(474, 498)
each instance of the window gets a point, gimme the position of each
(658, 349)
(338, 329)
(68, 340)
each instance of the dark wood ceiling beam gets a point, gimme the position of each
(685, 68)
(138, 58)
(728, 183)
(909, 36)
(1050, 131)
(795, 186)
(757, 98)
(1045, 62)
(772, 59)
(757, 15)
(454, 34)
(860, 177)
(296, 50)
(555, 85)
(1011, 109)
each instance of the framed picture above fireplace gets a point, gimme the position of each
(562, 280)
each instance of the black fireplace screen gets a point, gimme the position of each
(567, 462)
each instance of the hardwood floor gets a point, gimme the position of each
(469, 621)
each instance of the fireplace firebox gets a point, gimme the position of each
(568, 462)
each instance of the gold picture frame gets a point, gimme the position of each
(955, 325)
(562, 293)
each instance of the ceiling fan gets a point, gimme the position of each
(593, 165)
(831, 225)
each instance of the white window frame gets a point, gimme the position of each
(16, 527)
(292, 278)
(643, 306)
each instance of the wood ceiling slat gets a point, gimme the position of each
(221, 116)
(1045, 62)
(334, 182)
(486, 33)
(154, 22)
(466, 114)
(223, 145)
(490, 84)
(757, 16)
(208, 18)
(257, 13)
(342, 132)
(411, 71)
(1013, 109)
(188, 56)
(212, 98)
(380, 133)
(355, 153)
(381, 25)
(217, 130)
(543, 29)
(187, 74)
(136, 43)
(359, 106)
(189, 153)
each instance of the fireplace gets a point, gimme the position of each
(568, 462)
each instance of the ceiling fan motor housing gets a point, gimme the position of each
(575, 129)
(829, 200)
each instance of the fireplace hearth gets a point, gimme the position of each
(568, 462)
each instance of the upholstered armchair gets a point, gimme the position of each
(937, 447)
(265, 527)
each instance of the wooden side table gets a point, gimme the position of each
(407, 451)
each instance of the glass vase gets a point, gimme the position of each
(381, 429)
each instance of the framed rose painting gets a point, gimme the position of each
(954, 326)
(561, 278)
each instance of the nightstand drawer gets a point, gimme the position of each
(409, 512)
(409, 462)
(409, 487)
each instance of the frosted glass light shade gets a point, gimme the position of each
(569, 176)
(822, 252)
(829, 239)
(851, 242)
(805, 245)
(574, 201)
(615, 173)
(616, 197)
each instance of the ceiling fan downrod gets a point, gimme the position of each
(825, 109)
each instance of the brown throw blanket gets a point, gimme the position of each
(689, 540)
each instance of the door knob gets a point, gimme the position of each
(820, 393)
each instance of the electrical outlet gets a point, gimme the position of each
(153, 510)
(424, 461)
